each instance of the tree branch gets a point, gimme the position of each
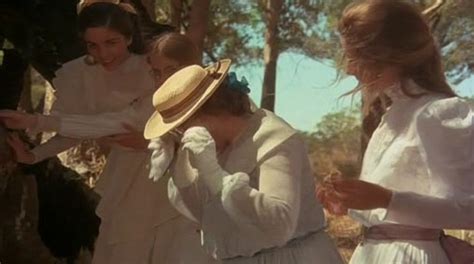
(211, 56)
(176, 13)
(198, 22)
(150, 8)
(434, 8)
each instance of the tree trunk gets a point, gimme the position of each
(19, 238)
(26, 100)
(270, 53)
(176, 13)
(150, 28)
(434, 8)
(11, 78)
(198, 23)
(150, 8)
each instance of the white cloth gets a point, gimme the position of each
(83, 89)
(203, 154)
(399, 252)
(161, 157)
(266, 201)
(179, 236)
(423, 146)
(107, 123)
(136, 216)
(422, 210)
(72, 128)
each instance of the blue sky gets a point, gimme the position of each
(305, 91)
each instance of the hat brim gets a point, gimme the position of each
(157, 126)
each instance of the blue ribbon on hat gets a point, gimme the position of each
(236, 85)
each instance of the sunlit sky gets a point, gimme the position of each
(305, 89)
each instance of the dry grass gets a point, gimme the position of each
(345, 232)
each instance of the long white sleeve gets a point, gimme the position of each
(267, 214)
(88, 126)
(52, 147)
(446, 132)
(105, 124)
(430, 212)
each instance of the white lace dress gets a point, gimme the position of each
(422, 149)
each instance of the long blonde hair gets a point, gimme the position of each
(393, 33)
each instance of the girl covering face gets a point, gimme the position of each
(242, 175)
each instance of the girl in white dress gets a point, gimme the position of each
(423, 146)
(243, 175)
(95, 96)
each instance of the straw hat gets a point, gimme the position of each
(182, 94)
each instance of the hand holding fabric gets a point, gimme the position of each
(202, 148)
(21, 151)
(328, 196)
(161, 157)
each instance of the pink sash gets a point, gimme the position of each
(457, 250)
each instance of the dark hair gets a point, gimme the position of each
(176, 47)
(112, 16)
(226, 99)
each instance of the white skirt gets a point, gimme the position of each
(317, 248)
(399, 252)
(174, 242)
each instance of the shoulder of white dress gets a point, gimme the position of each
(74, 66)
(449, 108)
(138, 62)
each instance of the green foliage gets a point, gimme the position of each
(455, 33)
(308, 27)
(236, 32)
(334, 146)
(43, 31)
(470, 99)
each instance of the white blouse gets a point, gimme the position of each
(423, 150)
(83, 89)
(265, 202)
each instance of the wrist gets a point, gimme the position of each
(212, 175)
(42, 123)
(31, 158)
(33, 120)
(386, 198)
(214, 181)
(183, 174)
(28, 158)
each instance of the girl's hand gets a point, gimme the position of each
(20, 149)
(361, 195)
(328, 198)
(163, 149)
(17, 120)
